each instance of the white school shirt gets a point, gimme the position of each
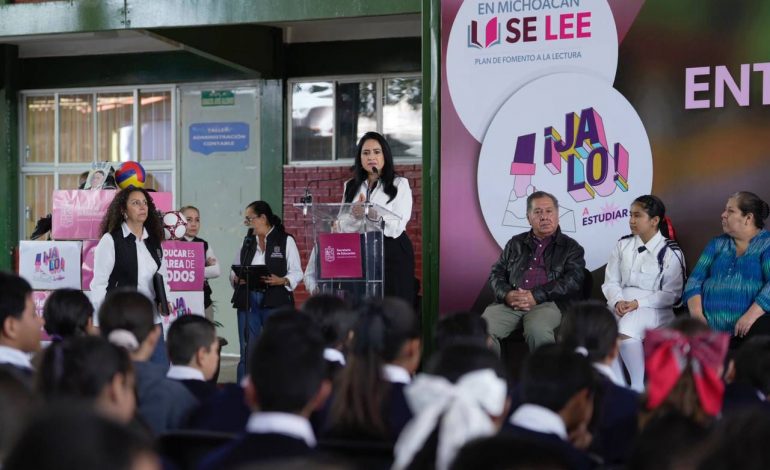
(631, 275)
(607, 371)
(310, 279)
(396, 374)
(293, 264)
(401, 205)
(104, 262)
(264, 422)
(184, 373)
(213, 271)
(539, 419)
(15, 357)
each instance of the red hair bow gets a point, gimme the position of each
(667, 353)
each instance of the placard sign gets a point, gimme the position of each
(186, 262)
(50, 264)
(340, 255)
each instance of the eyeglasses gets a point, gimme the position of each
(248, 220)
(138, 203)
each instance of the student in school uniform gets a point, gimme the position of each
(643, 282)
(126, 320)
(20, 326)
(286, 383)
(591, 327)
(193, 348)
(369, 401)
(557, 392)
(748, 376)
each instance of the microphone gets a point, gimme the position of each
(307, 199)
(369, 189)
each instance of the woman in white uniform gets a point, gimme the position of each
(643, 282)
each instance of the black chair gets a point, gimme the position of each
(185, 449)
(358, 453)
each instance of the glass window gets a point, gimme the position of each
(161, 181)
(69, 181)
(115, 127)
(155, 125)
(329, 117)
(38, 191)
(355, 114)
(40, 122)
(402, 116)
(76, 128)
(312, 121)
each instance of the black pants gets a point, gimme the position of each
(761, 327)
(399, 268)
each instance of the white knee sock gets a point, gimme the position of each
(632, 353)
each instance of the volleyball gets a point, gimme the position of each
(174, 225)
(130, 174)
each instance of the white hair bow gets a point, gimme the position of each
(464, 409)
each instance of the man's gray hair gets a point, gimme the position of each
(538, 195)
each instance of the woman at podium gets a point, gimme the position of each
(374, 180)
(274, 252)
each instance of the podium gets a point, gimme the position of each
(347, 254)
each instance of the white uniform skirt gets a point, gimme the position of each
(635, 323)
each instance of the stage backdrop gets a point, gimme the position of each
(596, 102)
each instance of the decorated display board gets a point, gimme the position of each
(597, 102)
(78, 214)
(50, 265)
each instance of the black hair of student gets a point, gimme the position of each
(750, 203)
(456, 360)
(387, 175)
(262, 208)
(125, 309)
(752, 364)
(589, 325)
(333, 315)
(461, 328)
(668, 441)
(69, 436)
(17, 404)
(504, 452)
(383, 328)
(187, 335)
(287, 365)
(14, 291)
(654, 207)
(688, 326)
(552, 375)
(80, 367)
(739, 441)
(66, 313)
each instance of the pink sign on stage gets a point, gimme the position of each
(340, 255)
(39, 297)
(87, 268)
(77, 214)
(186, 262)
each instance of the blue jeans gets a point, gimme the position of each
(254, 321)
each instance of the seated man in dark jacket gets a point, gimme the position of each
(537, 274)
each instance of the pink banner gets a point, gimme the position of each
(87, 268)
(340, 255)
(186, 262)
(39, 297)
(78, 214)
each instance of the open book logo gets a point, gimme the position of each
(491, 34)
